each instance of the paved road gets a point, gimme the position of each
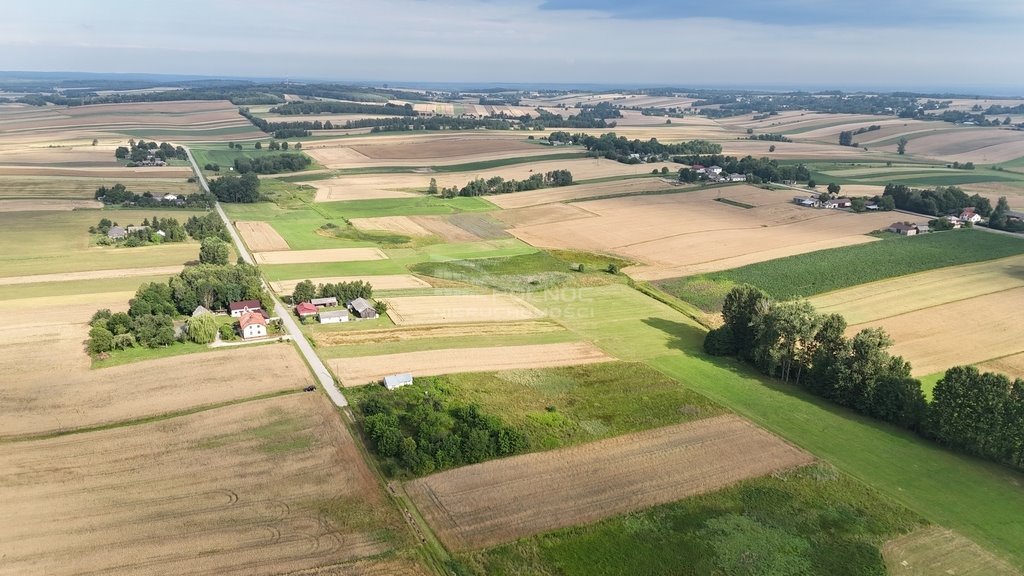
(315, 364)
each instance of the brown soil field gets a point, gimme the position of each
(338, 189)
(575, 192)
(69, 156)
(793, 150)
(43, 204)
(885, 298)
(499, 501)
(324, 255)
(937, 550)
(264, 487)
(397, 224)
(424, 310)
(84, 188)
(91, 275)
(367, 369)
(1012, 366)
(260, 236)
(675, 235)
(442, 227)
(389, 282)
(980, 145)
(409, 333)
(542, 214)
(830, 134)
(936, 338)
(420, 151)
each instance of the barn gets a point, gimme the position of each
(362, 308)
(333, 316)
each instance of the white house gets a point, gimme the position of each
(241, 307)
(716, 170)
(333, 316)
(737, 177)
(969, 215)
(252, 325)
(395, 381)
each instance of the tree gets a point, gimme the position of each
(846, 138)
(812, 184)
(121, 153)
(901, 146)
(284, 145)
(298, 145)
(304, 292)
(887, 203)
(771, 148)
(858, 204)
(432, 187)
(202, 329)
(833, 188)
(151, 299)
(213, 250)
(95, 141)
(738, 311)
(226, 332)
(100, 340)
(258, 146)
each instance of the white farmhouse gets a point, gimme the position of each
(252, 325)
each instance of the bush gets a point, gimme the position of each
(202, 329)
(613, 268)
(227, 332)
(720, 342)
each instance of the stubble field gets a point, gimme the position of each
(260, 236)
(324, 255)
(424, 310)
(502, 500)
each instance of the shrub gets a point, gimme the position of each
(227, 332)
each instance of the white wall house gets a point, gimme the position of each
(252, 325)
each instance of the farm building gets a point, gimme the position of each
(117, 233)
(200, 311)
(716, 170)
(737, 177)
(252, 325)
(903, 228)
(241, 307)
(395, 381)
(324, 302)
(807, 202)
(843, 202)
(362, 308)
(333, 316)
(969, 215)
(954, 221)
(132, 229)
(305, 309)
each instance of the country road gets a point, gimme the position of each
(312, 360)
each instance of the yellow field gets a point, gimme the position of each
(422, 310)
(396, 224)
(389, 282)
(44, 204)
(548, 196)
(261, 236)
(979, 145)
(1012, 366)
(324, 255)
(936, 550)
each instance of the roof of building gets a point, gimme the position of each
(902, 226)
(243, 304)
(116, 231)
(360, 304)
(200, 310)
(396, 380)
(250, 318)
(968, 210)
(305, 308)
(333, 314)
(329, 300)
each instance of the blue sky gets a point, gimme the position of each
(891, 44)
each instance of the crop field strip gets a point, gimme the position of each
(260, 236)
(495, 502)
(427, 310)
(324, 255)
(391, 282)
(936, 550)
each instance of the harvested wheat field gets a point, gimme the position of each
(903, 294)
(980, 145)
(576, 192)
(385, 282)
(445, 147)
(92, 275)
(85, 188)
(1012, 366)
(937, 550)
(105, 173)
(260, 236)
(794, 150)
(542, 214)
(265, 487)
(407, 334)
(425, 150)
(368, 369)
(324, 255)
(936, 338)
(396, 224)
(672, 235)
(44, 205)
(494, 502)
(830, 134)
(442, 227)
(338, 189)
(423, 310)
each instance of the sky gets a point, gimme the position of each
(938, 45)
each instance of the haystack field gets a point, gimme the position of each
(423, 310)
(265, 487)
(499, 501)
(903, 294)
(260, 236)
(384, 282)
(367, 369)
(324, 255)
(396, 224)
(936, 338)
(674, 235)
(937, 550)
(43, 205)
(575, 192)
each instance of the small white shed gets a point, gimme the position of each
(397, 381)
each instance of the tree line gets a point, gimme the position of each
(793, 342)
(498, 185)
(344, 291)
(769, 137)
(207, 225)
(272, 164)
(241, 189)
(118, 194)
(1001, 219)
(621, 149)
(938, 202)
(759, 169)
(323, 107)
(846, 136)
(280, 130)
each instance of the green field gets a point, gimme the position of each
(526, 273)
(466, 167)
(836, 268)
(56, 289)
(921, 175)
(443, 343)
(220, 154)
(812, 520)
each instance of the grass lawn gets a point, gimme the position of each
(812, 520)
(56, 289)
(837, 268)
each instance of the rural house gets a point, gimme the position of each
(843, 202)
(716, 170)
(362, 308)
(969, 215)
(396, 381)
(954, 221)
(807, 202)
(117, 233)
(333, 316)
(305, 310)
(237, 309)
(903, 228)
(736, 177)
(324, 302)
(252, 325)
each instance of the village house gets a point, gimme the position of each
(362, 309)
(333, 316)
(237, 309)
(305, 310)
(396, 381)
(969, 215)
(117, 233)
(324, 302)
(735, 177)
(252, 325)
(807, 202)
(843, 202)
(954, 221)
(716, 170)
(903, 228)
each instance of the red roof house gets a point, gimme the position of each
(252, 325)
(306, 309)
(243, 306)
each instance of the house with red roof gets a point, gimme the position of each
(252, 325)
(237, 309)
(305, 310)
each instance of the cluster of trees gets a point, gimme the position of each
(273, 164)
(1000, 219)
(214, 286)
(846, 136)
(200, 227)
(278, 129)
(120, 195)
(757, 169)
(959, 166)
(417, 431)
(231, 188)
(324, 107)
(172, 230)
(769, 137)
(120, 331)
(938, 202)
(344, 291)
(431, 123)
(621, 149)
(498, 185)
(141, 150)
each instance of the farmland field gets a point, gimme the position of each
(935, 550)
(305, 498)
(325, 255)
(582, 484)
(420, 310)
(395, 282)
(67, 187)
(260, 236)
(366, 369)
